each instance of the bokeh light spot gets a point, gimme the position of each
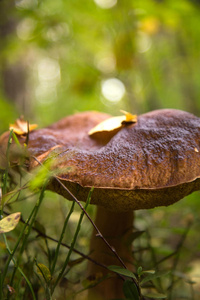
(26, 4)
(144, 42)
(113, 89)
(105, 62)
(25, 29)
(106, 3)
(49, 70)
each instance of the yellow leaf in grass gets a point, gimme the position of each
(10, 222)
(44, 272)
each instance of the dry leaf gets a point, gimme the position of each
(112, 125)
(11, 289)
(130, 118)
(22, 127)
(10, 222)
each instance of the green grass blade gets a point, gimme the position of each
(61, 237)
(5, 176)
(73, 241)
(29, 223)
(19, 269)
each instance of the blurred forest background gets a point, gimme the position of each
(60, 57)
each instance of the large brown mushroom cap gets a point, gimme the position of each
(151, 163)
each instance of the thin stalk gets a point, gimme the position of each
(153, 259)
(192, 291)
(4, 190)
(49, 254)
(15, 248)
(32, 217)
(176, 259)
(19, 269)
(27, 135)
(1, 286)
(5, 176)
(73, 242)
(61, 238)
(47, 286)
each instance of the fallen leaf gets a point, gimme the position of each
(112, 125)
(22, 127)
(130, 118)
(10, 222)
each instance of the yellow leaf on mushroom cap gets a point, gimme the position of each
(112, 125)
(130, 118)
(22, 127)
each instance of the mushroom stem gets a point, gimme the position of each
(116, 228)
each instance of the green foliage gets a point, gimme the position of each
(130, 290)
(62, 52)
(122, 271)
(69, 48)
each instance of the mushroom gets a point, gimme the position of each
(154, 162)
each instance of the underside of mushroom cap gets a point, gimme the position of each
(120, 200)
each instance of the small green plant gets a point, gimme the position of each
(134, 283)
